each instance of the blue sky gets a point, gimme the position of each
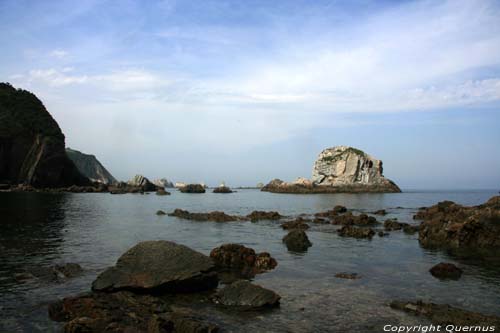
(246, 91)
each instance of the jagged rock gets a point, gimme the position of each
(258, 215)
(339, 169)
(450, 225)
(161, 191)
(356, 232)
(192, 188)
(163, 182)
(443, 314)
(222, 189)
(446, 271)
(297, 241)
(246, 295)
(240, 261)
(159, 267)
(90, 167)
(141, 182)
(215, 216)
(32, 148)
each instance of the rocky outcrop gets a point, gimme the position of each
(246, 295)
(141, 182)
(222, 189)
(90, 167)
(159, 267)
(339, 169)
(450, 225)
(163, 182)
(32, 146)
(192, 188)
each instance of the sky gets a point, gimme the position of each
(247, 91)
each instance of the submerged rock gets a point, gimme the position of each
(450, 225)
(246, 295)
(442, 314)
(297, 241)
(258, 215)
(446, 271)
(192, 188)
(159, 267)
(56, 273)
(356, 232)
(214, 216)
(380, 212)
(349, 276)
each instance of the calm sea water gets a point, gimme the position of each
(95, 229)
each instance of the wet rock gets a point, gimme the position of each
(215, 216)
(319, 220)
(180, 322)
(392, 224)
(333, 212)
(450, 225)
(246, 295)
(235, 261)
(381, 233)
(411, 229)
(161, 191)
(69, 270)
(297, 241)
(442, 314)
(349, 276)
(117, 191)
(222, 189)
(159, 267)
(380, 212)
(446, 271)
(351, 219)
(340, 209)
(356, 232)
(160, 212)
(298, 223)
(56, 273)
(258, 215)
(192, 188)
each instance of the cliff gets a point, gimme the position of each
(90, 167)
(339, 169)
(32, 144)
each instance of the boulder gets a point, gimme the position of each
(159, 267)
(392, 224)
(453, 226)
(192, 188)
(222, 189)
(350, 219)
(90, 167)
(443, 314)
(215, 216)
(297, 241)
(236, 256)
(246, 295)
(356, 232)
(32, 146)
(446, 271)
(258, 215)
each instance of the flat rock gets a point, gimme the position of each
(258, 215)
(247, 295)
(214, 216)
(159, 267)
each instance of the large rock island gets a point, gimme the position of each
(339, 169)
(32, 148)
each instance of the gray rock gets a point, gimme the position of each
(142, 182)
(159, 267)
(297, 241)
(245, 294)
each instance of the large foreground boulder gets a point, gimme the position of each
(450, 225)
(159, 267)
(246, 295)
(32, 146)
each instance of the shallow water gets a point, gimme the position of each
(95, 229)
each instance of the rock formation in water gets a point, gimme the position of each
(163, 182)
(139, 181)
(32, 144)
(90, 167)
(339, 169)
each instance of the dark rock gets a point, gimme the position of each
(297, 241)
(356, 232)
(90, 167)
(349, 276)
(236, 256)
(411, 229)
(192, 188)
(56, 273)
(442, 314)
(258, 215)
(391, 225)
(340, 209)
(161, 191)
(454, 226)
(298, 223)
(382, 234)
(380, 212)
(160, 212)
(246, 295)
(142, 184)
(32, 148)
(222, 189)
(320, 220)
(159, 267)
(215, 216)
(350, 219)
(446, 271)
(180, 322)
